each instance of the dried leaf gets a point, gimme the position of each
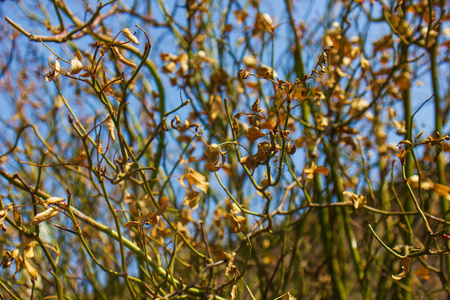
(255, 106)
(110, 127)
(131, 224)
(54, 200)
(131, 37)
(243, 74)
(75, 63)
(213, 152)
(192, 199)
(233, 292)
(7, 260)
(237, 223)
(313, 170)
(163, 202)
(30, 269)
(267, 125)
(423, 272)
(122, 59)
(406, 262)
(17, 217)
(253, 134)
(44, 216)
(3, 213)
(212, 168)
(28, 250)
(19, 261)
(358, 200)
(195, 178)
(441, 189)
(49, 77)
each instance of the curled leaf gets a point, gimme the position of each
(121, 58)
(237, 223)
(3, 213)
(213, 153)
(17, 217)
(49, 77)
(54, 200)
(131, 37)
(110, 127)
(44, 216)
(75, 63)
(406, 262)
(358, 200)
(192, 199)
(30, 269)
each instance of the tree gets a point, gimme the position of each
(228, 150)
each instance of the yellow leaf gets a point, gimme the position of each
(192, 199)
(423, 272)
(441, 189)
(121, 58)
(131, 37)
(358, 200)
(131, 224)
(75, 63)
(30, 269)
(110, 127)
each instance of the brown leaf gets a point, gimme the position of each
(237, 223)
(267, 125)
(17, 217)
(131, 224)
(213, 152)
(163, 202)
(406, 262)
(253, 134)
(211, 167)
(255, 106)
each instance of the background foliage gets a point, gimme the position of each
(224, 149)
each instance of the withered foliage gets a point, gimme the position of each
(225, 150)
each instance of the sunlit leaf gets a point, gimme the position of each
(423, 272)
(192, 199)
(122, 59)
(44, 216)
(131, 37)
